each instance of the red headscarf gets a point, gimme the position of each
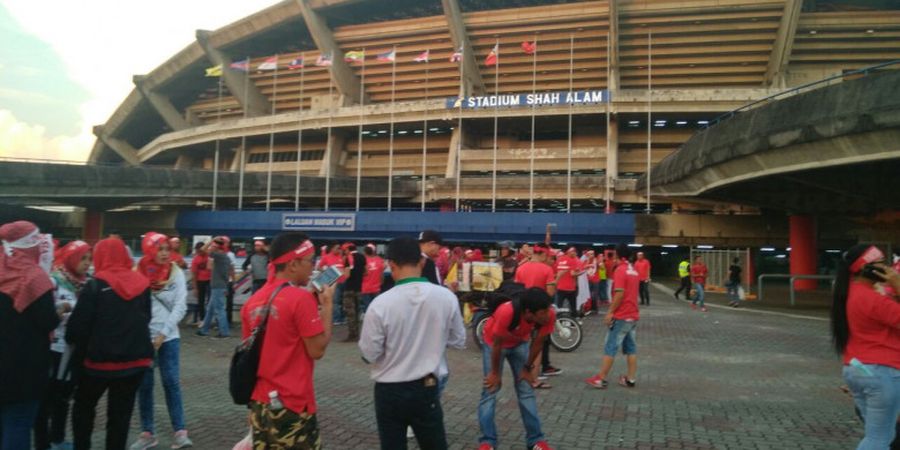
(157, 273)
(68, 258)
(113, 265)
(21, 276)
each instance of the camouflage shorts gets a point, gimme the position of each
(283, 430)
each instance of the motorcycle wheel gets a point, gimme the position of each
(567, 336)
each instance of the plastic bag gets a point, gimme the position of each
(246, 443)
(741, 293)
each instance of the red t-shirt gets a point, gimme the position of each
(626, 278)
(874, 320)
(567, 282)
(535, 274)
(284, 364)
(592, 273)
(498, 326)
(200, 267)
(643, 269)
(374, 275)
(699, 271)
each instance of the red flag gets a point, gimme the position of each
(529, 47)
(491, 59)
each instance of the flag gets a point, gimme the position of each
(457, 55)
(387, 56)
(354, 56)
(324, 60)
(243, 65)
(269, 64)
(491, 59)
(529, 47)
(214, 71)
(423, 57)
(296, 63)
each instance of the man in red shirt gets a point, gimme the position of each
(335, 257)
(506, 340)
(568, 267)
(201, 274)
(283, 405)
(642, 265)
(374, 276)
(537, 273)
(622, 320)
(698, 276)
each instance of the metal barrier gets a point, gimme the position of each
(791, 279)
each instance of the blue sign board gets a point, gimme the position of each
(536, 99)
(318, 221)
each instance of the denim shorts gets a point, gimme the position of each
(621, 335)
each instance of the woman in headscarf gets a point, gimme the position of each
(168, 291)
(109, 328)
(69, 275)
(27, 316)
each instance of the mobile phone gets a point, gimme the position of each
(872, 272)
(326, 278)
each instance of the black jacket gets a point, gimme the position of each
(430, 271)
(25, 348)
(355, 280)
(111, 335)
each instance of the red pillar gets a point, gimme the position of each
(93, 226)
(804, 256)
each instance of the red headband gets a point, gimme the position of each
(306, 248)
(869, 256)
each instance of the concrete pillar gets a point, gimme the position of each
(613, 81)
(455, 138)
(334, 150)
(93, 226)
(612, 158)
(804, 256)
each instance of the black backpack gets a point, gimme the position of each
(245, 361)
(509, 291)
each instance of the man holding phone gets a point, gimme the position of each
(405, 335)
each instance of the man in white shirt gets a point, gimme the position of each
(404, 336)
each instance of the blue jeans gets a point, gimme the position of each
(516, 357)
(621, 335)
(216, 308)
(732, 288)
(167, 360)
(365, 300)
(338, 314)
(877, 395)
(604, 293)
(698, 295)
(16, 420)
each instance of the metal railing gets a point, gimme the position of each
(791, 279)
(795, 90)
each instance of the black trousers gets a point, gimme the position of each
(645, 292)
(50, 425)
(545, 355)
(570, 297)
(120, 405)
(202, 298)
(415, 404)
(686, 287)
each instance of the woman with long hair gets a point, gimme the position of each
(168, 293)
(865, 328)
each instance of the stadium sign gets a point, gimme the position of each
(536, 99)
(318, 222)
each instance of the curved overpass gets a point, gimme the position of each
(831, 150)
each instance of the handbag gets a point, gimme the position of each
(245, 361)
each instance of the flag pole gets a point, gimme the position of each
(533, 105)
(496, 114)
(216, 157)
(272, 135)
(359, 139)
(462, 96)
(425, 129)
(649, 109)
(569, 153)
(390, 191)
(299, 135)
(328, 143)
(606, 174)
(243, 142)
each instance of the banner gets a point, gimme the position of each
(536, 99)
(318, 222)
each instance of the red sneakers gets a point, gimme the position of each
(485, 446)
(596, 382)
(541, 445)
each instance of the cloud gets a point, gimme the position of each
(26, 96)
(23, 140)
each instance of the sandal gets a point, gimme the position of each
(541, 385)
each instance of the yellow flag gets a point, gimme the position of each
(214, 71)
(452, 275)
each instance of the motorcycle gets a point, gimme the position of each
(566, 336)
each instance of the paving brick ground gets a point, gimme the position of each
(724, 379)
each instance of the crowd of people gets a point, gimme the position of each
(69, 335)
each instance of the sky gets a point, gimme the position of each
(66, 65)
